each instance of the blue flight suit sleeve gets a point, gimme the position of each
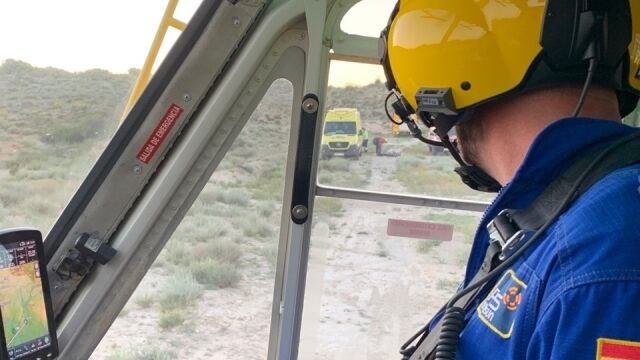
(569, 328)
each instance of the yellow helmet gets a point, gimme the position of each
(442, 58)
(456, 54)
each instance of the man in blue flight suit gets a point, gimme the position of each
(534, 88)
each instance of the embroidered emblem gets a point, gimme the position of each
(512, 298)
(613, 349)
(498, 309)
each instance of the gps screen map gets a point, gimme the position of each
(23, 307)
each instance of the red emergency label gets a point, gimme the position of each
(160, 133)
(420, 229)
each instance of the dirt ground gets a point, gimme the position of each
(366, 293)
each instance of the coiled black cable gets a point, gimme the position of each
(452, 325)
(386, 108)
(405, 118)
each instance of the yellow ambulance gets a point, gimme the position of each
(341, 134)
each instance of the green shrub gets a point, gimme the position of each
(121, 355)
(417, 150)
(267, 208)
(208, 194)
(177, 252)
(465, 225)
(172, 318)
(330, 206)
(270, 252)
(424, 246)
(147, 352)
(224, 251)
(215, 274)
(40, 207)
(199, 228)
(409, 161)
(179, 291)
(255, 227)
(326, 178)
(144, 300)
(335, 165)
(433, 176)
(339, 172)
(11, 196)
(222, 211)
(233, 197)
(269, 185)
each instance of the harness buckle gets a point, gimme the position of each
(506, 233)
(513, 243)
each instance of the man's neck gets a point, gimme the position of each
(509, 126)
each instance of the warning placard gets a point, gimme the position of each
(420, 229)
(159, 134)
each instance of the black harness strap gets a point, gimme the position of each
(511, 227)
(509, 222)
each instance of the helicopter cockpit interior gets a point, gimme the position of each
(186, 209)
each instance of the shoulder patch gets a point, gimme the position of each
(498, 309)
(615, 349)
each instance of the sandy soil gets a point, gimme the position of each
(223, 324)
(366, 293)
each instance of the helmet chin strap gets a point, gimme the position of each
(473, 176)
(477, 179)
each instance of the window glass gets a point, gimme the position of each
(367, 17)
(54, 124)
(378, 272)
(380, 156)
(210, 291)
(64, 82)
(367, 291)
(340, 127)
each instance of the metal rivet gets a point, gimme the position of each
(187, 97)
(310, 105)
(235, 21)
(299, 212)
(137, 169)
(465, 85)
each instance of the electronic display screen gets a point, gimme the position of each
(24, 311)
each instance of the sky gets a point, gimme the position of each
(78, 35)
